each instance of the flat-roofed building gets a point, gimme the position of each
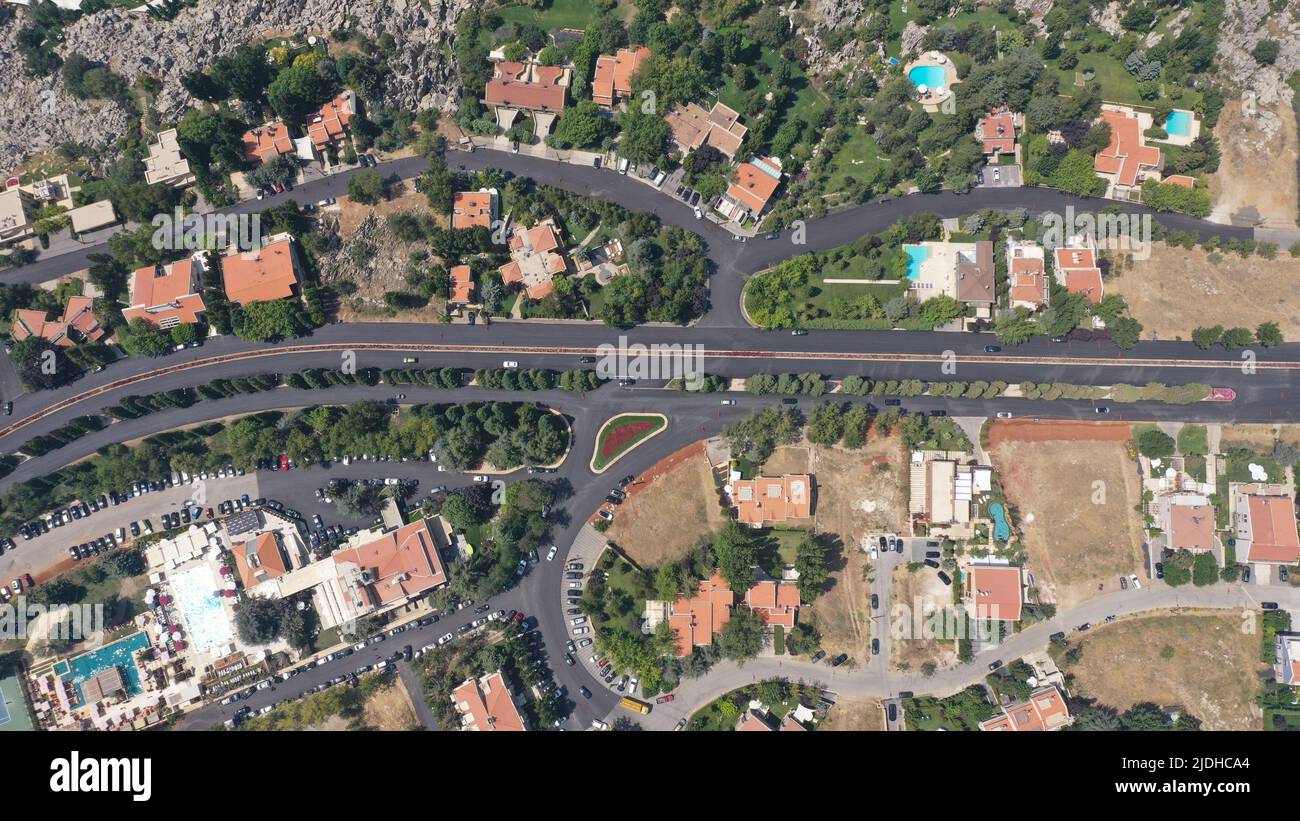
(165, 164)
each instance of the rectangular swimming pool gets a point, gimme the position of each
(82, 668)
(206, 624)
(916, 254)
(1179, 123)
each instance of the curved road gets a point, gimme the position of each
(1263, 394)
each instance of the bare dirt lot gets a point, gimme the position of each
(1204, 662)
(858, 492)
(1256, 180)
(1075, 503)
(920, 591)
(669, 509)
(860, 713)
(391, 709)
(1178, 289)
(1026, 430)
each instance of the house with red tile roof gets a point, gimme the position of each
(996, 591)
(462, 285)
(996, 132)
(1077, 270)
(696, 620)
(536, 258)
(693, 127)
(1265, 527)
(1187, 523)
(1127, 160)
(487, 705)
(328, 127)
(261, 559)
(750, 193)
(1027, 274)
(166, 295)
(269, 273)
(266, 142)
(613, 78)
(474, 209)
(77, 324)
(763, 501)
(527, 87)
(760, 721)
(373, 572)
(1043, 711)
(775, 602)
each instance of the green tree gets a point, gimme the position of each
(736, 554)
(1155, 444)
(366, 187)
(813, 565)
(1268, 334)
(742, 638)
(580, 126)
(297, 91)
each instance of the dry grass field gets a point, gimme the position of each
(1256, 180)
(391, 709)
(1178, 289)
(1074, 543)
(1204, 662)
(668, 510)
(919, 591)
(859, 713)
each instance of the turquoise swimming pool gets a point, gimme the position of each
(1179, 123)
(931, 77)
(1001, 527)
(916, 254)
(86, 666)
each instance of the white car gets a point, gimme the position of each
(597, 724)
(874, 554)
(550, 554)
(268, 708)
(578, 620)
(510, 363)
(480, 478)
(585, 643)
(444, 639)
(361, 645)
(581, 631)
(1137, 585)
(698, 214)
(1004, 415)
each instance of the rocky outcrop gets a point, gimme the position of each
(1245, 23)
(134, 44)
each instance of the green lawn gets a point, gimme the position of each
(562, 14)
(809, 103)
(857, 158)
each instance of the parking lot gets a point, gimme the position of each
(47, 554)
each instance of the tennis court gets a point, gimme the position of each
(13, 714)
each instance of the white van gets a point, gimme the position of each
(622, 165)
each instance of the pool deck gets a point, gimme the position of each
(1193, 131)
(931, 101)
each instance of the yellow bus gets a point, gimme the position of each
(635, 706)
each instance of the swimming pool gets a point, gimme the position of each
(1001, 528)
(916, 254)
(206, 624)
(932, 77)
(82, 668)
(1179, 123)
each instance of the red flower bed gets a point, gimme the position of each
(618, 438)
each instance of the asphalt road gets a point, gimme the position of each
(735, 350)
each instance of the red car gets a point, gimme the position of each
(284, 463)
(603, 663)
(209, 513)
(665, 699)
(519, 617)
(27, 579)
